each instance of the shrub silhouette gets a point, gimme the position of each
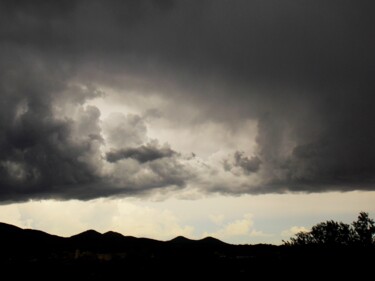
(331, 233)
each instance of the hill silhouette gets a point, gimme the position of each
(111, 253)
(181, 240)
(211, 241)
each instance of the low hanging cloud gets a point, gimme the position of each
(301, 71)
(142, 154)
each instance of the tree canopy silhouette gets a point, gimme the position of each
(364, 229)
(331, 233)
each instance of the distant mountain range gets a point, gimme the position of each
(13, 237)
(106, 255)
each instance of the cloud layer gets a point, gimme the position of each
(302, 71)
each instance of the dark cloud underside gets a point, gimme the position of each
(142, 154)
(303, 70)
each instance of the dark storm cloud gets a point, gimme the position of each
(303, 69)
(142, 154)
(36, 149)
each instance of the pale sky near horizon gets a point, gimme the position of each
(248, 219)
(244, 120)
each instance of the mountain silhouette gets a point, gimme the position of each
(88, 234)
(211, 241)
(181, 240)
(113, 235)
(7, 230)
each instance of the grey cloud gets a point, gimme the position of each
(240, 164)
(124, 130)
(249, 165)
(332, 158)
(303, 70)
(131, 177)
(142, 154)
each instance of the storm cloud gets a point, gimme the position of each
(303, 72)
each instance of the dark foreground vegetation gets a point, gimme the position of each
(330, 249)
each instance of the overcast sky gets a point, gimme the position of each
(186, 100)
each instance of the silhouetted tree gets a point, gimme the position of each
(333, 233)
(302, 238)
(364, 229)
